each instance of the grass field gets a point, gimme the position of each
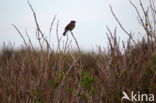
(46, 75)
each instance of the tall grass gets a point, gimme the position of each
(63, 76)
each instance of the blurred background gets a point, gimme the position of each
(92, 17)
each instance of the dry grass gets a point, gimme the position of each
(64, 76)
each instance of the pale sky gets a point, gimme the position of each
(92, 16)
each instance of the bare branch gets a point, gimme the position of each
(38, 27)
(76, 42)
(20, 34)
(129, 34)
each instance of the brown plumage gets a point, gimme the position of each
(69, 27)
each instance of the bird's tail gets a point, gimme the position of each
(64, 32)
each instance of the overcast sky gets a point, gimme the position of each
(92, 16)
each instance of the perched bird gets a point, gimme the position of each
(69, 27)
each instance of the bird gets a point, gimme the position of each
(69, 27)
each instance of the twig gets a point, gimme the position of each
(76, 42)
(29, 40)
(118, 21)
(38, 28)
(65, 45)
(129, 34)
(20, 34)
(51, 25)
(58, 39)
